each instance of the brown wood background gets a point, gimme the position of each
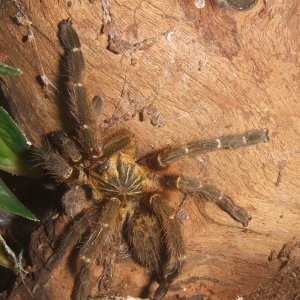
(207, 72)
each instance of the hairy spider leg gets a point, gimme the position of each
(70, 238)
(207, 192)
(165, 157)
(60, 165)
(117, 142)
(173, 241)
(81, 108)
(54, 163)
(110, 221)
(66, 146)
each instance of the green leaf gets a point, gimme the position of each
(10, 71)
(8, 259)
(10, 203)
(5, 259)
(13, 147)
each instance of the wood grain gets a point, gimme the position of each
(207, 72)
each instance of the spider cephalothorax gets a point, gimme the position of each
(128, 196)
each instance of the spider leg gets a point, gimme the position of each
(66, 146)
(54, 163)
(208, 192)
(58, 167)
(81, 108)
(173, 241)
(111, 219)
(116, 142)
(165, 157)
(69, 239)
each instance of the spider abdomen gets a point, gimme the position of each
(144, 237)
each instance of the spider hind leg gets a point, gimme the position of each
(109, 222)
(172, 239)
(70, 238)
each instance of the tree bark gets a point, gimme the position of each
(173, 73)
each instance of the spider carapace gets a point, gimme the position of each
(129, 197)
(121, 178)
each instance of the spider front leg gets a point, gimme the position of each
(110, 221)
(81, 108)
(64, 165)
(173, 242)
(54, 163)
(66, 146)
(116, 142)
(168, 156)
(208, 192)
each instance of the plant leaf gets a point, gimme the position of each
(5, 259)
(6, 70)
(13, 146)
(10, 203)
(8, 259)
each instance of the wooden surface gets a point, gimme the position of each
(207, 72)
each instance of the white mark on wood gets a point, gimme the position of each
(46, 81)
(178, 182)
(199, 3)
(106, 11)
(168, 34)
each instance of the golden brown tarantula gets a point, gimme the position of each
(129, 197)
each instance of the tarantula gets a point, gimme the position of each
(129, 197)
